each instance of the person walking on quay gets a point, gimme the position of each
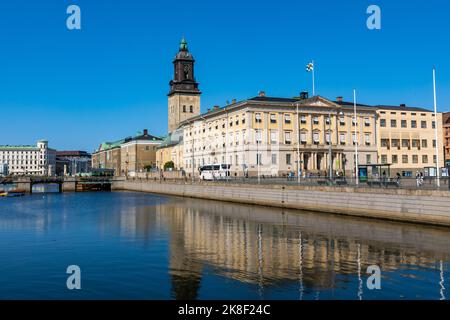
(399, 177)
(419, 179)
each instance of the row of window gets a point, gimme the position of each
(404, 124)
(406, 143)
(303, 119)
(406, 158)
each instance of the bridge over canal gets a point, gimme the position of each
(65, 184)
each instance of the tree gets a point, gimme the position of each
(169, 165)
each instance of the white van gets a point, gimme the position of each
(214, 172)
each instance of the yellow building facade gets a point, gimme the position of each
(268, 136)
(407, 139)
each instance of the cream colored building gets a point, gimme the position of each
(267, 136)
(407, 138)
(29, 160)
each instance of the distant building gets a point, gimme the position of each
(73, 163)
(407, 138)
(128, 156)
(28, 159)
(446, 130)
(171, 150)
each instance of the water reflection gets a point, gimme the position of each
(271, 248)
(223, 250)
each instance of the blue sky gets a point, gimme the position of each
(110, 79)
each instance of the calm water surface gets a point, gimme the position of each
(143, 246)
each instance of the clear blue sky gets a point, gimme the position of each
(109, 80)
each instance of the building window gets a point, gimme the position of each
(354, 139)
(383, 123)
(434, 159)
(327, 120)
(394, 159)
(342, 139)
(288, 159)
(414, 124)
(383, 159)
(416, 143)
(367, 122)
(423, 124)
(316, 137)
(434, 143)
(273, 118)
(316, 120)
(258, 117)
(287, 118)
(403, 124)
(368, 159)
(327, 137)
(287, 137)
(367, 139)
(433, 124)
(393, 123)
(425, 159)
(302, 119)
(258, 136)
(191, 109)
(405, 143)
(274, 158)
(424, 143)
(415, 159)
(385, 143)
(342, 121)
(404, 158)
(354, 121)
(273, 136)
(303, 137)
(395, 143)
(184, 108)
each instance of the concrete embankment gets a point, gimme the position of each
(419, 206)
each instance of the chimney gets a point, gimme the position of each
(261, 93)
(304, 95)
(403, 105)
(339, 99)
(209, 109)
(233, 101)
(216, 108)
(145, 132)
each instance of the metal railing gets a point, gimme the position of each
(397, 183)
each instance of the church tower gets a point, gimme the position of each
(184, 96)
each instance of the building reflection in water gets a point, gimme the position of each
(272, 248)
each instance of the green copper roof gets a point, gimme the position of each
(19, 148)
(183, 44)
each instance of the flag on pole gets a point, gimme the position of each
(310, 67)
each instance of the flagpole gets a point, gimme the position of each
(356, 139)
(438, 182)
(313, 78)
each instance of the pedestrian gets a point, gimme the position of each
(417, 179)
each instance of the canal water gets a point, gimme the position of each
(143, 246)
